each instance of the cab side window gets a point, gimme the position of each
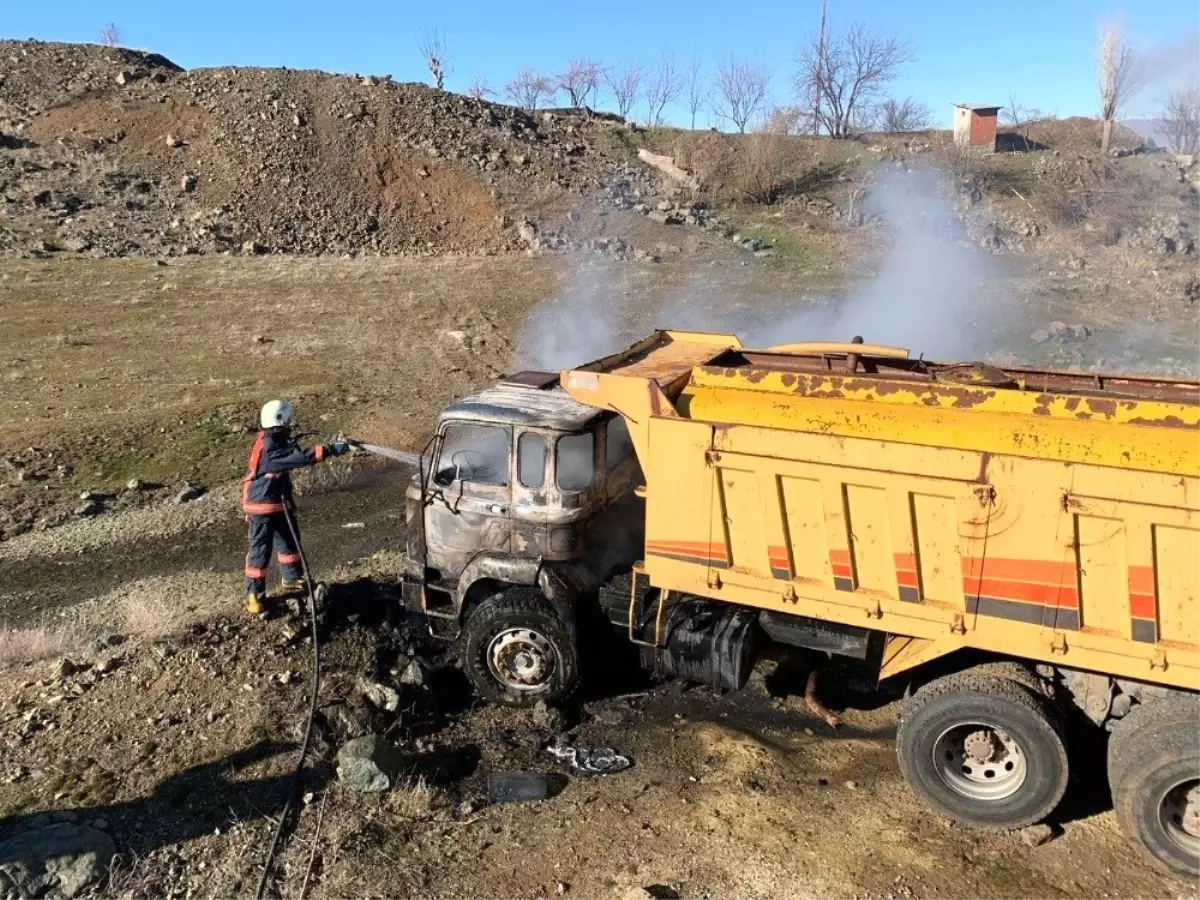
(531, 460)
(575, 462)
(618, 444)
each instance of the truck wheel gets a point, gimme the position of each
(984, 750)
(518, 651)
(1154, 774)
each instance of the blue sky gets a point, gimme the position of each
(1040, 50)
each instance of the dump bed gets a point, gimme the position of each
(1048, 515)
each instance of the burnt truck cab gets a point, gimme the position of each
(507, 510)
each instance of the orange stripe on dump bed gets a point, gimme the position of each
(1025, 592)
(1041, 571)
(1142, 606)
(701, 549)
(1141, 580)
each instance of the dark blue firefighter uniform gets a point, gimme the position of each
(266, 493)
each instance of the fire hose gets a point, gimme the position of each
(402, 456)
(312, 705)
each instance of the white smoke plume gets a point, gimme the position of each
(935, 293)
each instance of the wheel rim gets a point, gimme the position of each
(521, 659)
(1179, 813)
(980, 762)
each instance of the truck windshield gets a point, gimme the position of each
(574, 461)
(477, 453)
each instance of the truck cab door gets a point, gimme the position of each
(470, 493)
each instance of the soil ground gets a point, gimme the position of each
(122, 368)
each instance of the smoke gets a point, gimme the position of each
(935, 292)
(1175, 62)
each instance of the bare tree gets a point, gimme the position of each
(663, 87)
(625, 82)
(696, 89)
(846, 72)
(741, 91)
(1179, 121)
(1018, 117)
(904, 115)
(1119, 75)
(432, 45)
(581, 78)
(785, 121)
(479, 88)
(527, 87)
(110, 35)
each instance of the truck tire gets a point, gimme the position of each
(518, 651)
(1154, 775)
(984, 750)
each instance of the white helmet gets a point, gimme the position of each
(277, 414)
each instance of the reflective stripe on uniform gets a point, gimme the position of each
(251, 507)
(287, 559)
(319, 452)
(252, 572)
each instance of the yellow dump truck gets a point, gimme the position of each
(1013, 545)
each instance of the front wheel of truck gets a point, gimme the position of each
(518, 651)
(984, 750)
(1154, 773)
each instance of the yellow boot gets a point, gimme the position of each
(293, 585)
(254, 604)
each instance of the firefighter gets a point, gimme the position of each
(267, 493)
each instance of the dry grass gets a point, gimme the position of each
(22, 646)
(99, 342)
(413, 802)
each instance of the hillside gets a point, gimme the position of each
(122, 153)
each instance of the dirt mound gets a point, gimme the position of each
(124, 153)
(35, 75)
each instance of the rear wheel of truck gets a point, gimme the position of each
(984, 750)
(1154, 774)
(518, 651)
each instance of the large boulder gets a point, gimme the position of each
(61, 860)
(369, 764)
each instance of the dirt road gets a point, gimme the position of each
(355, 519)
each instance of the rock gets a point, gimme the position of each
(548, 717)
(188, 184)
(66, 668)
(1061, 333)
(253, 248)
(189, 493)
(88, 508)
(1036, 835)
(344, 722)
(458, 338)
(851, 785)
(124, 77)
(134, 484)
(63, 860)
(528, 233)
(637, 893)
(413, 674)
(76, 244)
(369, 764)
(173, 141)
(380, 695)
